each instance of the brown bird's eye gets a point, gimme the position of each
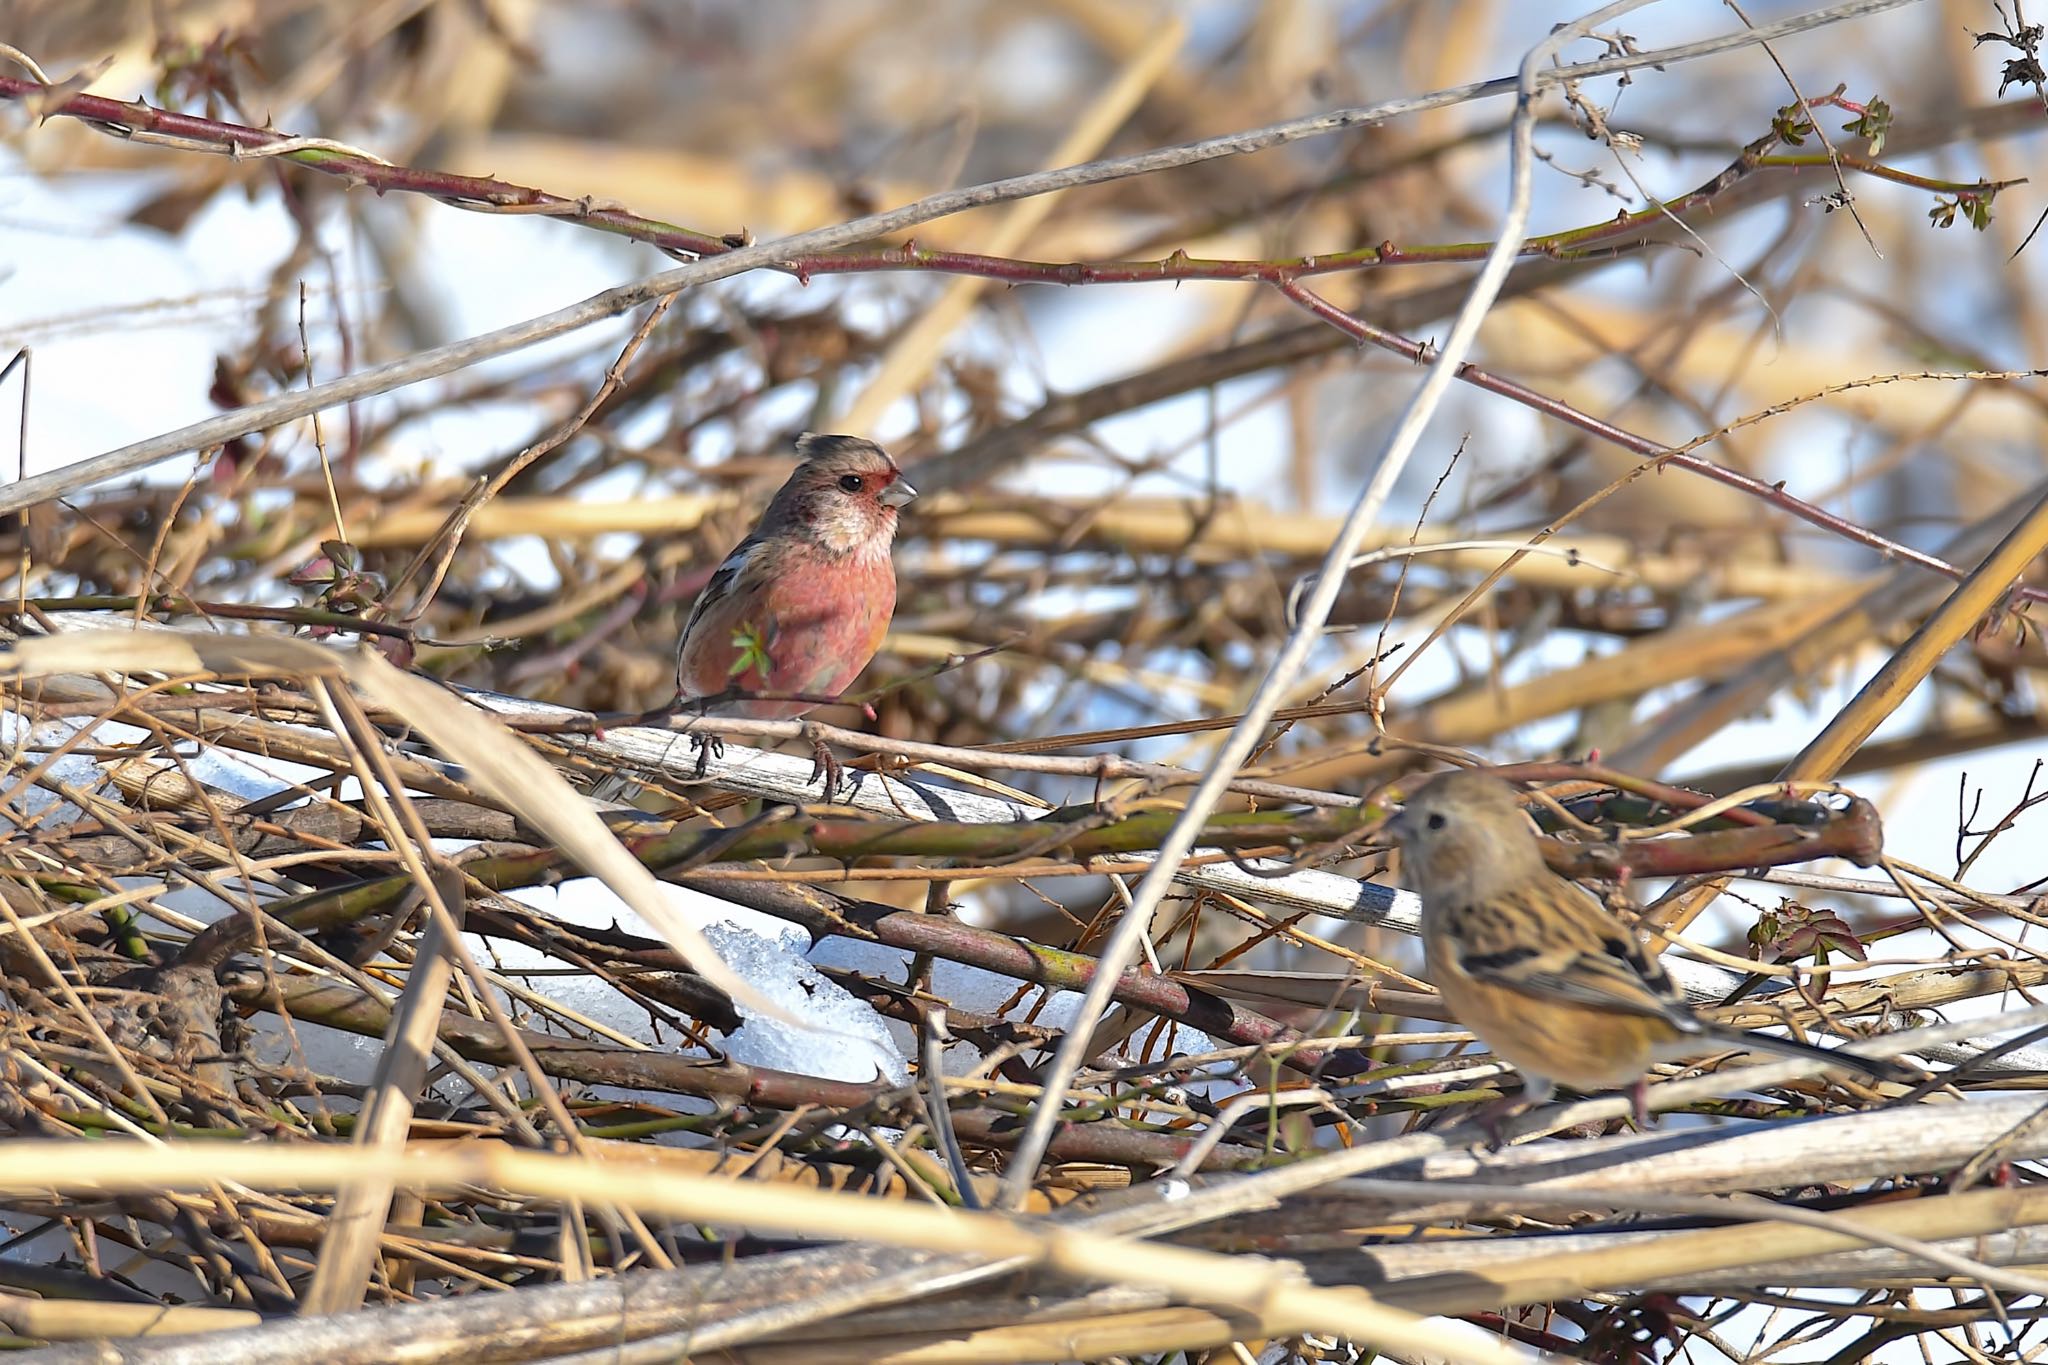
(850, 482)
(1436, 820)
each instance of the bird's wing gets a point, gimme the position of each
(725, 582)
(1555, 942)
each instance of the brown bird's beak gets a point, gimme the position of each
(896, 494)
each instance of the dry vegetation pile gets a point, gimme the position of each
(309, 1068)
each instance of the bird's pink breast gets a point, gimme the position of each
(819, 619)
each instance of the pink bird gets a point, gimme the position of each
(802, 604)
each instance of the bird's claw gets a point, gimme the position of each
(708, 746)
(826, 766)
(1493, 1116)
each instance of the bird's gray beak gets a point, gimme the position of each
(896, 494)
(1397, 828)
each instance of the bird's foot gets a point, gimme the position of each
(826, 766)
(1639, 1103)
(708, 746)
(1493, 1116)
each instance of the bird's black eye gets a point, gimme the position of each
(1436, 820)
(850, 482)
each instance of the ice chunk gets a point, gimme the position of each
(848, 1040)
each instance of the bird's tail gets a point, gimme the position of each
(1883, 1068)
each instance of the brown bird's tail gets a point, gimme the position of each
(1883, 1068)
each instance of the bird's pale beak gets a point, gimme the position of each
(896, 494)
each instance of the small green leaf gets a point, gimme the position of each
(344, 555)
(753, 653)
(1973, 205)
(1873, 124)
(1764, 933)
(1790, 125)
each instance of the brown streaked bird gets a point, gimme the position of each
(1538, 968)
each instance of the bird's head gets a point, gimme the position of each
(843, 497)
(1464, 830)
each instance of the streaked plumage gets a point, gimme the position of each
(1534, 965)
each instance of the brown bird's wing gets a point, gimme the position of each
(725, 581)
(1552, 941)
